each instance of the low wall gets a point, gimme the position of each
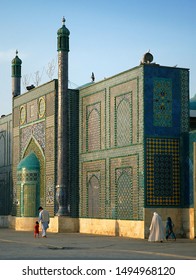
(183, 220)
(57, 224)
(133, 229)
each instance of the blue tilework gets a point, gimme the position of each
(172, 76)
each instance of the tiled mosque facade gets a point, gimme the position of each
(102, 162)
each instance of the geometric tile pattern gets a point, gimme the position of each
(123, 121)
(93, 122)
(111, 161)
(28, 201)
(126, 196)
(162, 102)
(184, 83)
(124, 113)
(162, 172)
(49, 190)
(29, 176)
(93, 127)
(92, 190)
(124, 191)
(37, 131)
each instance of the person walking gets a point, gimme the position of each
(156, 229)
(169, 229)
(44, 218)
(36, 229)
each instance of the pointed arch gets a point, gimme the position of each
(123, 123)
(33, 146)
(93, 196)
(32, 138)
(94, 130)
(2, 149)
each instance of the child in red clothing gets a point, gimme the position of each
(36, 229)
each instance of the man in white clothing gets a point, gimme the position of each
(44, 218)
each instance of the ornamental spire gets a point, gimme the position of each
(63, 37)
(63, 21)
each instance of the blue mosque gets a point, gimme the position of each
(103, 157)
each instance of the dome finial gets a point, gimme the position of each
(16, 52)
(63, 37)
(63, 20)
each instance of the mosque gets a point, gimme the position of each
(103, 157)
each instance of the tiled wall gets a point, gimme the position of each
(34, 127)
(5, 164)
(111, 148)
(166, 136)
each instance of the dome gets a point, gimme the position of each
(63, 31)
(17, 60)
(30, 162)
(192, 103)
(147, 58)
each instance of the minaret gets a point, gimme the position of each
(62, 187)
(16, 75)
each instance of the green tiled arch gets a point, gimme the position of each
(28, 177)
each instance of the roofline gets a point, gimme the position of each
(136, 67)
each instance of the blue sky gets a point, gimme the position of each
(106, 37)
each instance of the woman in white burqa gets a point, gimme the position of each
(156, 229)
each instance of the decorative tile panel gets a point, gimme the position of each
(36, 130)
(93, 111)
(162, 102)
(50, 138)
(93, 186)
(92, 192)
(184, 76)
(123, 122)
(163, 172)
(124, 105)
(29, 195)
(126, 195)
(93, 127)
(50, 190)
(163, 169)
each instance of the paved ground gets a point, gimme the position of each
(17, 245)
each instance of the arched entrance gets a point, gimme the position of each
(28, 182)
